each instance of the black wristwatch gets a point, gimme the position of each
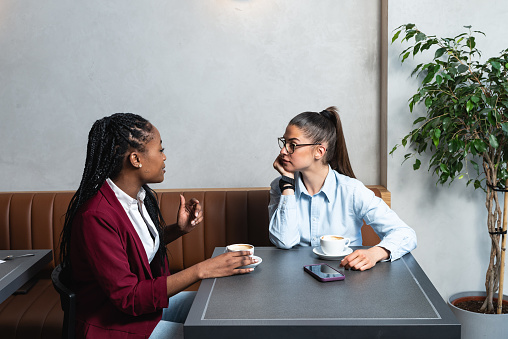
(286, 183)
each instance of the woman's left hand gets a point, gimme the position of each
(362, 260)
(189, 214)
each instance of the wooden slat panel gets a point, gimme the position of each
(60, 205)
(20, 221)
(236, 217)
(214, 221)
(5, 203)
(193, 242)
(169, 203)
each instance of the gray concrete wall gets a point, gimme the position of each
(220, 79)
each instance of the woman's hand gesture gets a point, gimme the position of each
(189, 214)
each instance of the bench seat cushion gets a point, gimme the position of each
(36, 314)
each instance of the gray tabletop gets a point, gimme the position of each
(390, 300)
(16, 272)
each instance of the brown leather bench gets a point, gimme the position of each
(34, 220)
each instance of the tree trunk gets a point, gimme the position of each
(494, 223)
(503, 250)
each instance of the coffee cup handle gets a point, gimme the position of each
(348, 241)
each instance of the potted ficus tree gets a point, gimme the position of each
(464, 129)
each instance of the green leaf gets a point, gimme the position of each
(420, 119)
(416, 165)
(470, 42)
(446, 123)
(453, 146)
(477, 184)
(440, 52)
(444, 168)
(420, 36)
(462, 68)
(428, 78)
(475, 99)
(475, 166)
(461, 176)
(395, 36)
(491, 118)
(504, 126)
(439, 79)
(469, 106)
(435, 136)
(468, 27)
(405, 56)
(479, 145)
(493, 141)
(495, 64)
(416, 49)
(428, 102)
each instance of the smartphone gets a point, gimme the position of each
(324, 272)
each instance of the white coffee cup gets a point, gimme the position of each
(333, 244)
(240, 247)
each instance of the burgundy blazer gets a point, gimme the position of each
(116, 292)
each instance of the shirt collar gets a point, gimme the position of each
(125, 200)
(328, 189)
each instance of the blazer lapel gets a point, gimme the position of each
(110, 196)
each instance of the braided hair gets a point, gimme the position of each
(108, 141)
(326, 127)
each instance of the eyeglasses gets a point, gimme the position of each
(290, 148)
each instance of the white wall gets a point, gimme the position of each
(450, 221)
(220, 79)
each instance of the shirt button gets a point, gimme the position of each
(313, 219)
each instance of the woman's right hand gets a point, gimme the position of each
(277, 164)
(226, 264)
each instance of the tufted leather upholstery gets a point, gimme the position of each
(34, 220)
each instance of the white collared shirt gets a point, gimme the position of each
(130, 206)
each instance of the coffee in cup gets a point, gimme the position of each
(240, 247)
(333, 244)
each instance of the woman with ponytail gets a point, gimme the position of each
(317, 194)
(114, 237)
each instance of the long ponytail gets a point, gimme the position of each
(327, 127)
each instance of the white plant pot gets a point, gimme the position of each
(477, 325)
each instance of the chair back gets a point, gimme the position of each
(67, 299)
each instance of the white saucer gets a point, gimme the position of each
(317, 251)
(255, 264)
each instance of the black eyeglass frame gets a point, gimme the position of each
(284, 144)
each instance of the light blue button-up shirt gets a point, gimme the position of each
(340, 207)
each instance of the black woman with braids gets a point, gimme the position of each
(114, 237)
(317, 194)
